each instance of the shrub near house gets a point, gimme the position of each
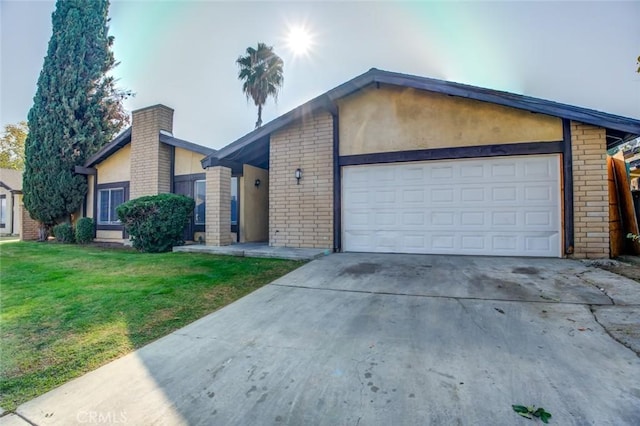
(155, 223)
(84, 230)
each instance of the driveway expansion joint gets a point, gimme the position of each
(591, 283)
(606, 330)
(15, 413)
(435, 296)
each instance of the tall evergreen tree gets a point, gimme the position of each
(77, 109)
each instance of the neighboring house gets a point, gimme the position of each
(389, 162)
(145, 159)
(10, 200)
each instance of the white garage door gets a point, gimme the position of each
(505, 206)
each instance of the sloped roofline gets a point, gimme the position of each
(11, 180)
(118, 142)
(124, 138)
(327, 101)
(180, 143)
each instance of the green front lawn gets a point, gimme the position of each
(65, 309)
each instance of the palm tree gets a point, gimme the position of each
(261, 74)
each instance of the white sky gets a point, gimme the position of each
(182, 53)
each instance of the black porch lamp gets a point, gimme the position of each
(298, 175)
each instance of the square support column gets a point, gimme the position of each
(218, 206)
(590, 191)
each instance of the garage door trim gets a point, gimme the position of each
(534, 224)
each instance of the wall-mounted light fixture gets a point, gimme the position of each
(298, 175)
(257, 183)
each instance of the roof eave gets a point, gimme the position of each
(121, 140)
(190, 146)
(327, 101)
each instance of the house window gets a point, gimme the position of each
(234, 200)
(199, 192)
(3, 211)
(108, 201)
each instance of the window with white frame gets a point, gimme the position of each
(108, 201)
(199, 195)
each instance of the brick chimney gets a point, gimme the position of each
(150, 159)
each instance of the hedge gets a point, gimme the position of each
(155, 223)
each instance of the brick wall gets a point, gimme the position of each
(590, 191)
(29, 229)
(150, 159)
(218, 206)
(302, 215)
(164, 168)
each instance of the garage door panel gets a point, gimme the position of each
(473, 194)
(503, 170)
(411, 174)
(442, 173)
(411, 219)
(385, 196)
(497, 206)
(504, 218)
(413, 195)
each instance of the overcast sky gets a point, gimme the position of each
(182, 53)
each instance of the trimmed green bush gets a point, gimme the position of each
(155, 223)
(64, 233)
(84, 230)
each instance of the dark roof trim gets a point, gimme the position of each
(85, 170)
(5, 186)
(236, 168)
(542, 106)
(121, 140)
(327, 100)
(125, 137)
(179, 143)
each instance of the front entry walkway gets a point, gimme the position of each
(256, 250)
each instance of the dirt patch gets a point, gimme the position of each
(628, 270)
(627, 266)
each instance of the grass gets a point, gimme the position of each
(66, 310)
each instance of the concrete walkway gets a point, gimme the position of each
(364, 339)
(256, 250)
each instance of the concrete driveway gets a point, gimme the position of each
(364, 339)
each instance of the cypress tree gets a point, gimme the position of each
(76, 110)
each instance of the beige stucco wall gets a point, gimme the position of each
(187, 162)
(115, 236)
(17, 216)
(301, 215)
(254, 205)
(90, 195)
(117, 167)
(400, 119)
